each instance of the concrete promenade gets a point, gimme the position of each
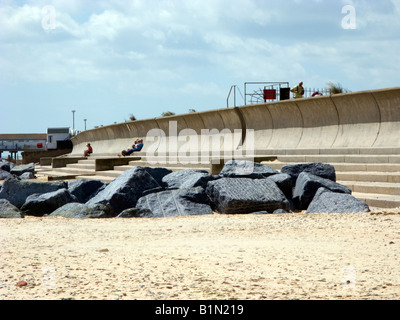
(368, 119)
(357, 132)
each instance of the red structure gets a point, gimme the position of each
(269, 94)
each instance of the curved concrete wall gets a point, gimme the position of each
(368, 119)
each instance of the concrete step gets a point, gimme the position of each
(85, 161)
(110, 173)
(39, 168)
(359, 176)
(378, 200)
(331, 151)
(60, 175)
(345, 167)
(81, 166)
(392, 158)
(77, 171)
(96, 177)
(392, 189)
(170, 164)
(371, 167)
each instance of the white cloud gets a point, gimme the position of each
(159, 48)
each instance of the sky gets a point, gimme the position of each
(108, 60)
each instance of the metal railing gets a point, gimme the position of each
(255, 94)
(313, 92)
(233, 88)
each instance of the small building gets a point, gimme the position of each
(57, 137)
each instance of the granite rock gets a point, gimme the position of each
(244, 195)
(308, 184)
(17, 191)
(186, 179)
(84, 190)
(19, 170)
(76, 210)
(319, 169)
(8, 210)
(246, 169)
(42, 204)
(326, 201)
(123, 192)
(171, 203)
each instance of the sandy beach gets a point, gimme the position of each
(254, 257)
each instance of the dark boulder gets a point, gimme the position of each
(246, 169)
(171, 203)
(123, 192)
(284, 182)
(128, 213)
(308, 184)
(19, 170)
(27, 176)
(17, 191)
(319, 169)
(84, 190)
(186, 179)
(326, 201)
(158, 173)
(42, 204)
(280, 211)
(76, 210)
(8, 210)
(4, 174)
(6, 166)
(244, 195)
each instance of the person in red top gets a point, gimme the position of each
(89, 150)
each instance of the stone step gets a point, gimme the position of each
(340, 158)
(39, 168)
(385, 188)
(168, 164)
(77, 171)
(378, 200)
(359, 176)
(87, 161)
(331, 151)
(81, 166)
(345, 167)
(59, 175)
(96, 177)
(110, 173)
(371, 167)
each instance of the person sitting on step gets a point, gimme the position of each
(88, 151)
(136, 147)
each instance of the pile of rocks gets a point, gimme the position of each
(242, 187)
(8, 169)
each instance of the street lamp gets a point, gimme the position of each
(73, 121)
(85, 123)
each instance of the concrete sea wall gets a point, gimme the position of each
(367, 119)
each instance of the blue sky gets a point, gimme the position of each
(110, 59)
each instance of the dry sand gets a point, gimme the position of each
(256, 257)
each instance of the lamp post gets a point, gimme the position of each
(85, 123)
(73, 121)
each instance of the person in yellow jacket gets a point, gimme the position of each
(298, 91)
